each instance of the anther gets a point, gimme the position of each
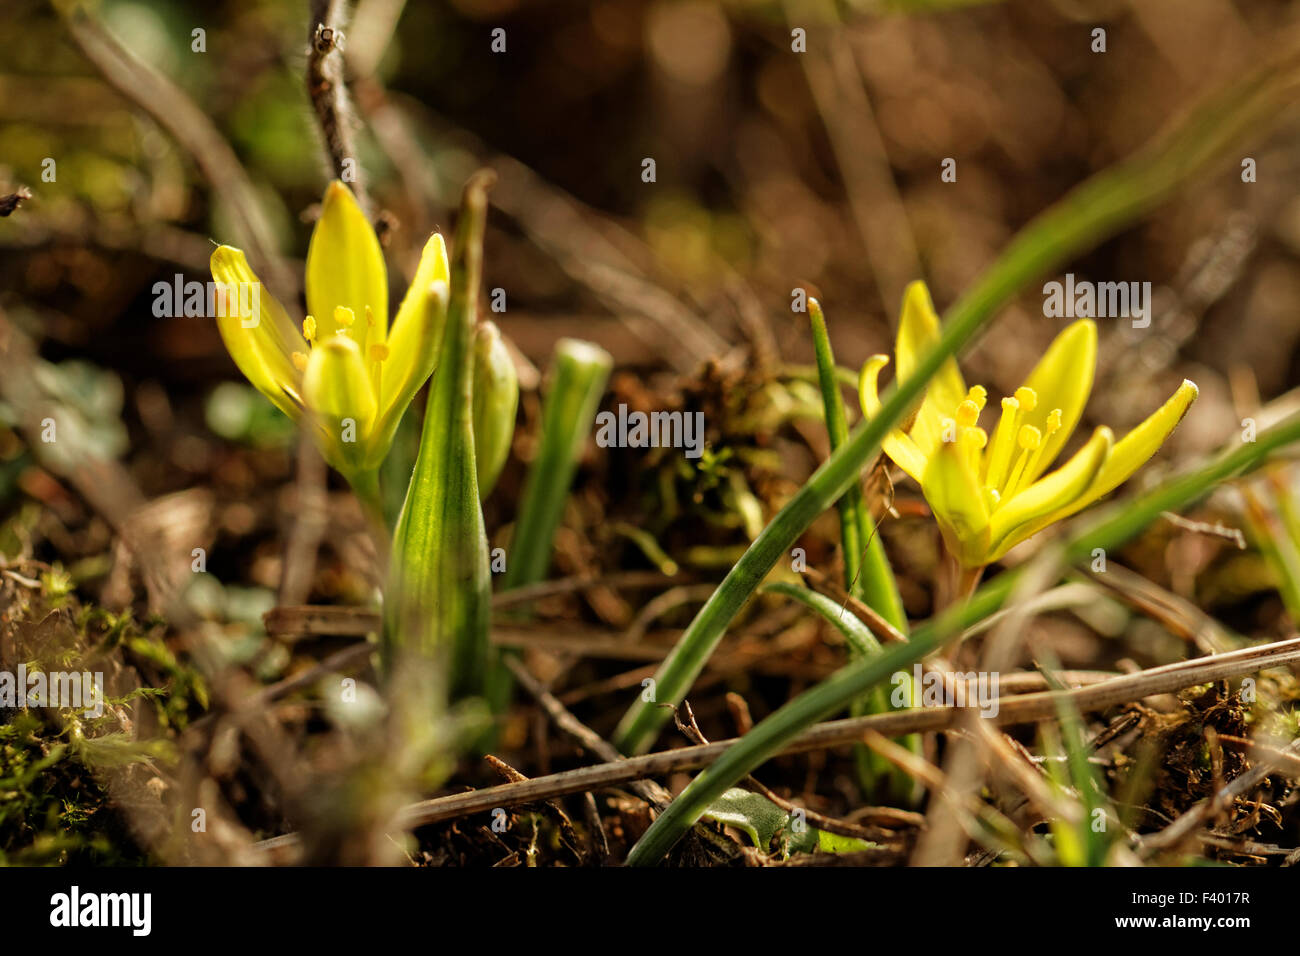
(299, 361)
(378, 352)
(1027, 398)
(979, 395)
(344, 317)
(968, 413)
(309, 328)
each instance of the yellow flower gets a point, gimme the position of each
(345, 370)
(990, 494)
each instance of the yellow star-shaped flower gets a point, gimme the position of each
(988, 495)
(345, 370)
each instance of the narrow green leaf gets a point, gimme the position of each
(438, 600)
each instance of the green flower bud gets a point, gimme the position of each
(496, 398)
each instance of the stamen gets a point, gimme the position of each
(1053, 424)
(1029, 439)
(1027, 398)
(378, 352)
(309, 329)
(979, 395)
(344, 317)
(1004, 443)
(299, 361)
(974, 439)
(968, 413)
(370, 318)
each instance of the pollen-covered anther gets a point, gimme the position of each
(309, 329)
(979, 395)
(1027, 398)
(370, 318)
(378, 352)
(1054, 421)
(344, 317)
(1029, 438)
(968, 413)
(299, 361)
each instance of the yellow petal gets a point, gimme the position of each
(338, 393)
(417, 330)
(918, 332)
(896, 445)
(1136, 448)
(1011, 522)
(1126, 457)
(261, 340)
(345, 267)
(1062, 379)
(954, 494)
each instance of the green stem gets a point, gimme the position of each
(868, 575)
(834, 693)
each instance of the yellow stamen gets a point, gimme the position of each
(370, 318)
(1027, 398)
(975, 439)
(378, 352)
(309, 329)
(979, 395)
(1029, 439)
(968, 413)
(1033, 469)
(1004, 443)
(344, 317)
(299, 361)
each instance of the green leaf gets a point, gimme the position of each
(753, 813)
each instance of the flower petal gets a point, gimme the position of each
(1136, 448)
(918, 332)
(261, 340)
(1011, 521)
(1126, 457)
(339, 395)
(345, 267)
(953, 491)
(417, 331)
(896, 445)
(1062, 379)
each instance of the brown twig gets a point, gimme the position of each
(329, 96)
(1028, 708)
(157, 95)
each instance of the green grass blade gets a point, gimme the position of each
(868, 575)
